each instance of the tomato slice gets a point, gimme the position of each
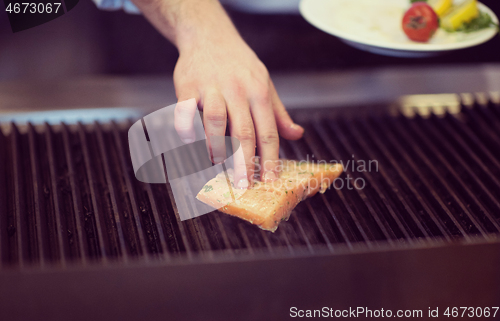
(420, 22)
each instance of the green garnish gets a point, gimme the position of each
(226, 194)
(482, 21)
(208, 188)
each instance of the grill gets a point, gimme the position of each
(70, 202)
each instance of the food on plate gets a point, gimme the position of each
(267, 204)
(440, 6)
(482, 21)
(458, 15)
(466, 17)
(420, 22)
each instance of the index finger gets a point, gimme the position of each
(242, 128)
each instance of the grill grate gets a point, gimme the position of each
(68, 194)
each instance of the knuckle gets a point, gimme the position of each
(184, 109)
(271, 138)
(246, 135)
(263, 96)
(182, 128)
(216, 117)
(237, 88)
(262, 70)
(249, 167)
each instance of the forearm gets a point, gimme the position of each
(186, 22)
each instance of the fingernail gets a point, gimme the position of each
(218, 160)
(242, 183)
(269, 176)
(187, 140)
(296, 127)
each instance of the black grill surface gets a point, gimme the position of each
(68, 194)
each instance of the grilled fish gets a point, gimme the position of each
(267, 204)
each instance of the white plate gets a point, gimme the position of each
(375, 26)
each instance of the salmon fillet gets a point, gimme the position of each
(267, 204)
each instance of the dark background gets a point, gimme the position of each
(88, 41)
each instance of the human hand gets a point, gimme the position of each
(229, 82)
(232, 85)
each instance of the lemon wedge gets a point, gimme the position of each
(440, 6)
(460, 14)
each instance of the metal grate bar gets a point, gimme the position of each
(487, 124)
(224, 234)
(214, 219)
(414, 146)
(392, 138)
(431, 143)
(19, 231)
(157, 220)
(383, 227)
(283, 236)
(302, 233)
(126, 237)
(310, 140)
(184, 227)
(318, 226)
(479, 127)
(84, 248)
(201, 235)
(267, 241)
(464, 131)
(298, 222)
(264, 235)
(402, 230)
(389, 186)
(145, 188)
(4, 226)
(174, 234)
(244, 235)
(111, 248)
(372, 134)
(336, 220)
(140, 224)
(40, 248)
(322, 133)
(61, 225)
(357, 234)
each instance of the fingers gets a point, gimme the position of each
(183, 117)
(242, 128)
(266, 136)
(215, 119)
(286, 127)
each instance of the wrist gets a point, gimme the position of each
(208, 24)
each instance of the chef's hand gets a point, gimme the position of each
(229, 82)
